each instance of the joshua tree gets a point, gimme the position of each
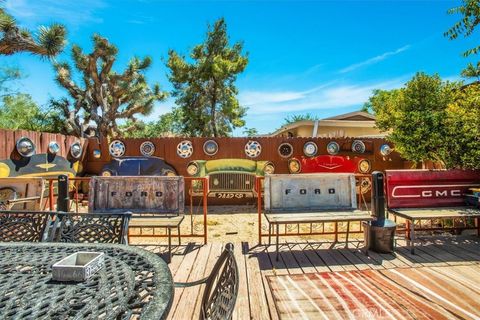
(49, 42)
(105, 96)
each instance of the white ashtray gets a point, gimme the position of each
(78, 266)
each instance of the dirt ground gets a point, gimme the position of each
(229, 224)
(234, 224)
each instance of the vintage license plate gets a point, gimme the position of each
(230, 195)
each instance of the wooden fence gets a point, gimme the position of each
(8, 139)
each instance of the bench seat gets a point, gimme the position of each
(320, 216)
(435, 213)
(158, 221)
(412, 214)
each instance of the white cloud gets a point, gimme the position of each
(327, 96)
(72, 12)
(374, 59)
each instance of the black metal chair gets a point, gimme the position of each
(90, 227)
(23, 226)
(221, 289)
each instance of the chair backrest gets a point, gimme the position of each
(23, 226)
(221, 290)
(90, 227)
(429, 188)
(309, 192)
(139, 194)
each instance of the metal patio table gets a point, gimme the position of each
(133, 283)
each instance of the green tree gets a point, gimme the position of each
(250, 132)
(414, 116)
(299, 117)
(168, 124)
(205, 87)
(470, 12)
(8, 75)
(470, 19)
(105, 96)
(19, 111)
(462, 143)
(13, 39)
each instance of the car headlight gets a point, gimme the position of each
(364, 166)
(76, 150)
(106, 173)
(269, 168)
(192, 168)
(333, 147)
(25, 147)
(53, 147)
(365, 185)
(294, 166)
(385, 150)
(170, 173)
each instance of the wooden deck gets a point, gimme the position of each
(256, 301)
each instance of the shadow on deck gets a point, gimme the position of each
(193, 261)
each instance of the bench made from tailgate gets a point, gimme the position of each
(154, 201)
(311, 198)
(21, 193)
(416, 195)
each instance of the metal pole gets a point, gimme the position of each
(205, 208)
(63, 200)
(50, 195)
(259, 207)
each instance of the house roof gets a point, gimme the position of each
(353, 116)
(351, 119)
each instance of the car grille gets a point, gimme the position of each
(231, 182)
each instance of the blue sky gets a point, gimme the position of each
(320, 57)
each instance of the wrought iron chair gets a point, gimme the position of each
(23, 226)
(221, 289)
(91, 227)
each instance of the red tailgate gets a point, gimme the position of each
(429, 188)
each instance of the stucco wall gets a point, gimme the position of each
(306, 131)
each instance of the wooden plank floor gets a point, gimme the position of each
(194, 261)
